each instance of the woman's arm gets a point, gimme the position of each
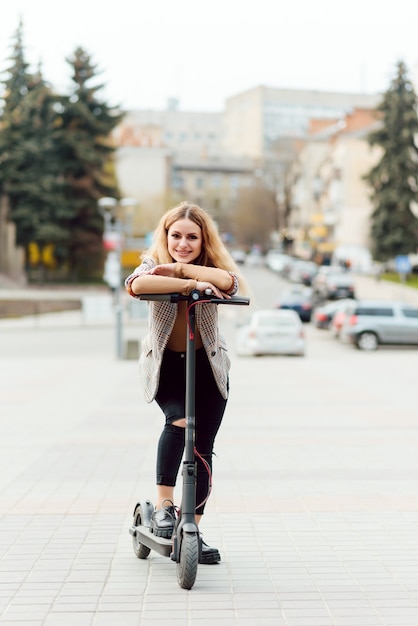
(179, 278)
(152, 283)
(222, 279)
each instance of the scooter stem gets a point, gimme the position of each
(189, 464)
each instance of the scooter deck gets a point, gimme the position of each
(158, 544)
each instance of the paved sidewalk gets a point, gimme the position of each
(371, 288)
(314, 508)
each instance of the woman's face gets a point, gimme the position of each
(184, 241)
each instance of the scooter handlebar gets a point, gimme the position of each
(194, 296)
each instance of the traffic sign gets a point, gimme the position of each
(403, 264)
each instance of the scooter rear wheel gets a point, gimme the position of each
(140, 550)
(189, 560)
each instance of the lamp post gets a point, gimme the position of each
(114, 230)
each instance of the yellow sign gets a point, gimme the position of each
(317, 218)
(130, 258)
(318, 232)
(326, 246)
(48, 257)
(34, 253)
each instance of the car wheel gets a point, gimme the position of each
(367, 341)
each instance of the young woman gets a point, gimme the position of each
(187, 253)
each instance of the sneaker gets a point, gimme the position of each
(208, 555)
(162, 522)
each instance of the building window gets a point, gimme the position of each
(216, 181)
(177, 181)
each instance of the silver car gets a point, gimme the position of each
(370, 323)
(272, 331)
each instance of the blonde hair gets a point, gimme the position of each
(214, 252)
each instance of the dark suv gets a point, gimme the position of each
(370, 323)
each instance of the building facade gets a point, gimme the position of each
(164, 157)
(257, 119)
(292, 142)
(331, 206)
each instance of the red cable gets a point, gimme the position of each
(191, 335)
(207, 467)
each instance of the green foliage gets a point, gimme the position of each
(30, 176)
(411, 280)
(86, 151)
(56, 160)
(394, 179)
(18, 84)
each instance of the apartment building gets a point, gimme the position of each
(331, 206)
(262, 135)
(164, 157)
(212, 183)
(184, 132)
(257, 119)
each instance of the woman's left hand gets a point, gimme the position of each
(203, 285)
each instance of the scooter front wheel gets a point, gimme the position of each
(140, 550)
(189, 560)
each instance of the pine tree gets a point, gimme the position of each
(16, 87)
(394, 179)
(30, 176)
(87, 162)
(19, 81)
(56, 160)
(40, 207)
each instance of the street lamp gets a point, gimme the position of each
(113, 234)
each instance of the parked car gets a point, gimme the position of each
(303, 272)
(371, 323)
(339, 317)
(288, 266)
(323, 316)
(238, 255)
(322, 273)
(277, 261)
(271, 332)
(335, 285)
(297, 298)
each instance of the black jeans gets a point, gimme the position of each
(210, 407)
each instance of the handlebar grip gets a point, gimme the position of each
(160, 297)
(232, 300)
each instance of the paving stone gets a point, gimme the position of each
(313, 508)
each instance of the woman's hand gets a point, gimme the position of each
(165, 269)
(203, 285)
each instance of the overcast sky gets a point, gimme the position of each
(204, 52)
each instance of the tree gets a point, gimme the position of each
(28, 157)
(18, 84)
(56, 160)
(394, 179)
(87, 161)
(253, 217)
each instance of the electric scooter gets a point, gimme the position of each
(185, 545)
